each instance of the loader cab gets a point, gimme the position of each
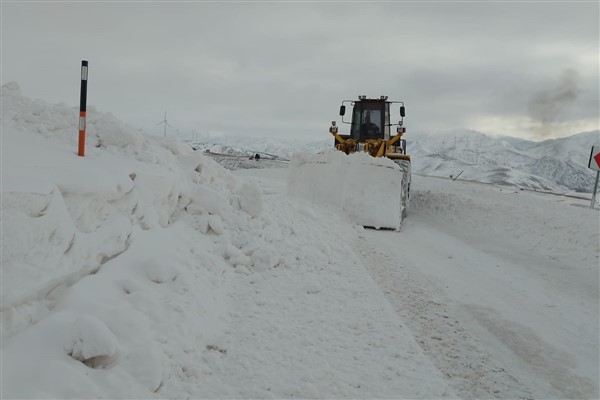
(370, 120)
(370, 129)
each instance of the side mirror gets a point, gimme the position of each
(342, 110)
(402, 111)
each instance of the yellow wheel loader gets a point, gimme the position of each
(368, 176)
(370, 132)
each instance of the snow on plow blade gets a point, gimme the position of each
(367, 189)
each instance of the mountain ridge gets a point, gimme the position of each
(553, 164)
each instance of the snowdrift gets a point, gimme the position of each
(64, 216)
(366, 189)
(146, 270)
(112, 263)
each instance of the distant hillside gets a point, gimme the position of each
(275, 148)
(558, 165)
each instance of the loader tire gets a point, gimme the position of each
(406, 178)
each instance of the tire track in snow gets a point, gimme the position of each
(471, 371)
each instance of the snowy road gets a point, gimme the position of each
(499, 287)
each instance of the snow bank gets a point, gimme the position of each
(54, 121)
(367, 189)
(99, 270)
(145, 269)
(65, 215)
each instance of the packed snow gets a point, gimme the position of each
(499, 285)
(147, 270)
(354, 183)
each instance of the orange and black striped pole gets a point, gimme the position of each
(82, 107)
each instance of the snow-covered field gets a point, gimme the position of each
(146, 269)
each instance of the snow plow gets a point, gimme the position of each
(366, 174)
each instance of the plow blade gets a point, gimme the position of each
(367, 189)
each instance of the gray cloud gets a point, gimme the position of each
(281, 69)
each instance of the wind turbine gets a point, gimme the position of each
(164, 121)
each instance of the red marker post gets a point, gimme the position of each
(82, 107)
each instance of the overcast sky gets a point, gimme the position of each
(281, 69)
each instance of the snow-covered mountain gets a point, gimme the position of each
(556, 165)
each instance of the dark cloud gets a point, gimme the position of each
(547, 106)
